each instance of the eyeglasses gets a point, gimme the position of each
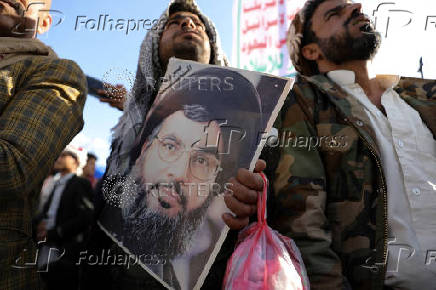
(203, 165)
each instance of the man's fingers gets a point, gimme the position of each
(118, 104)
(110, 101)
(250, 179)
(235, 223)
(241, 192)
(101, 92)
(243, 201)
(260, 166)
(107, 100)
(113, 92)
(239, 208)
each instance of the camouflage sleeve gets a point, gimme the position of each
(421, 95)
(420, 89)
(300, 196)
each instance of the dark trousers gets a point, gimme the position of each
(62, 274)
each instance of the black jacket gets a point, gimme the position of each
(74, 216)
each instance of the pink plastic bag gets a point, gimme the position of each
(264, 259)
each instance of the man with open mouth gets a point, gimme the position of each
(173, 179)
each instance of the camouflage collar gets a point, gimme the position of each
(352, 111)
(348, 77)
(418, 93)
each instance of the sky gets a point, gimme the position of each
(112, 55)
(408, 31)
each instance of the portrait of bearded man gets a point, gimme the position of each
(205, 124)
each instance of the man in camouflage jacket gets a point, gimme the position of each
(329, 184)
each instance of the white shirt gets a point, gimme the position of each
(408, 156)
(188, 266)
(59, 187)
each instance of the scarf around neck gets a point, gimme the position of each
(14, 49)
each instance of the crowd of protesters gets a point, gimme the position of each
(340, 207)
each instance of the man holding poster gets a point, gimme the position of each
(205, 124)
(362, 213)
(184, 32)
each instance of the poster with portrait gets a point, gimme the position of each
(205, 123)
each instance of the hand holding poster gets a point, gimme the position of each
(205, 124)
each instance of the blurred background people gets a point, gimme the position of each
(89, 169)
(49, 181)
(64, 222)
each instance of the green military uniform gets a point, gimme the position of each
(41, 104)
(329, 189)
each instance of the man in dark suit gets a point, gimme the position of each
(64, 222)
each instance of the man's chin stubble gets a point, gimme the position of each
(190, 51)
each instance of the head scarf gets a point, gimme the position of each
(296, 37)
(144, 90)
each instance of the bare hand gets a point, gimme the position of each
(243, 199)
(114, 103)
(113, 95)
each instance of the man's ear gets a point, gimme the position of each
(44, 23)
(311, 52)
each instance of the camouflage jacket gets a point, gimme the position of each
(329, 190)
